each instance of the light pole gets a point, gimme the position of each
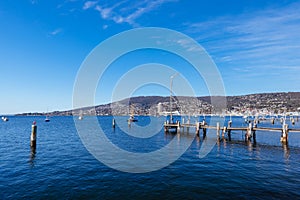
(171, 83)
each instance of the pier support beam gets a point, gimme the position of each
(272, 120)
(113, 123)
(223, 132)
(254, 133)
(218, 131)
(178, 127)
(197, 128)
(228, 130)
(293, 121)
(284, 134)
(248, 133)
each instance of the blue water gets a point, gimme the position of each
(62, 168)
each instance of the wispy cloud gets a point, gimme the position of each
(125, 11)
(56, 31)
(257, 39)
(89, 4)
(34, 2)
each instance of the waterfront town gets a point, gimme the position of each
(253, 104)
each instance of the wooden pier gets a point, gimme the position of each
(250, 130)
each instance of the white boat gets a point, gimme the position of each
(131, 116)
(5, 119)
(80, 117)
(47, 119)
(132, 119)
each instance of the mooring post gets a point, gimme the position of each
(254, 132)
(204, 133)
(284, 135)
(113, 123)
(129, 123)
(293, 121)
(33, 135)
(197, 128)
(248, 132)
(178, 126)
(272, 120)
(223, 132)
(218, 130)
(229, 130)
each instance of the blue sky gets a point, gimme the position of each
(254, 43)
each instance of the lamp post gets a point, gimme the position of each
(171, 83)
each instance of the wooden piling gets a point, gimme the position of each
(113, 123)
(197, 128)
(293, 121)
(284, 135)
(223, 132)
(178, 126)
(248, 132)
(218, 130)
(129, 123)
(272, 120)
(204, 133)
(254, 133)
(229, 130)
(33, 135)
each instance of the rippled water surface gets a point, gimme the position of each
(62, 168)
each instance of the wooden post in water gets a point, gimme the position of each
(218, 130)
(113, 123)
(33, 135)
(284, 135)
(229, 131)
(165, 127)
(272, 120)
(129, 123)
(223, 132)
(254, 133)
(204, 133)
(293, 121)
(197, 128)
(248, 133)
(178, 126)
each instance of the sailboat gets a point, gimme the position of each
(5, 119)
(80, 115)
(131, 116)
(47, 119)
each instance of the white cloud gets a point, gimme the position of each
(104, 12)
(89, 4)
(258, 39)
(125, 11)
(56, 31)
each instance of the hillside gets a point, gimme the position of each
(148, 105)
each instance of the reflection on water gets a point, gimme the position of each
(32, 155)
(63, 163)
(286, 151)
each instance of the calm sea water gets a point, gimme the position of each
(62, 168)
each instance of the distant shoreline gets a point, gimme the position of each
(263, 104)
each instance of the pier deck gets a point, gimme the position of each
(250, 130)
